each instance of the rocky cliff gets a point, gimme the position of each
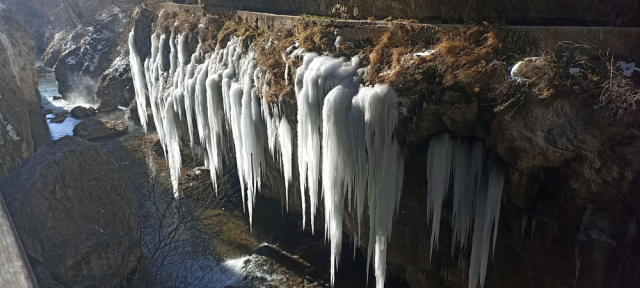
(18, 92)
(75, 214)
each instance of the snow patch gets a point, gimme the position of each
(514, 71)
(424, 53)
(11, 132)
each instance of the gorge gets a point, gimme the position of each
(439, 155)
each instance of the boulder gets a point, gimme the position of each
(58, 119)
(115, 86)
(92, 129)
(81, 112)
(107, 105)
(47, 111)
(75, 214)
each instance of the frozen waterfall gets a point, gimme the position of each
(343, 143)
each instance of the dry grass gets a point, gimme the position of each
(186, 22)
(390, 50)
(208, 30)
(603, 82)
(464, 57)
(269, 51)
(241, 30)
(315, 37)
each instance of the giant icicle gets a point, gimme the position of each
(478, 177)
(345, 131)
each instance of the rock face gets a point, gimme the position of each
(18, 89)
(20, 50)
(115, 86)
(78, 67)
(92, 129)
(75, 214)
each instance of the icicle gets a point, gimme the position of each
(438, 175)
(286, 147)
(385, 170)
(215, 124)
(137, 73)
(317, 76)
(172, 130)
(339, 171)
(478, 179)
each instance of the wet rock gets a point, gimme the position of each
(75, 214)
(81, 112)
(92, 129)
(57, 98)
(47, 112)
(107, 105)
(115, 86)
(58, 119)
(291, 262)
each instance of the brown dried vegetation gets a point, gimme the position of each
(269, 49)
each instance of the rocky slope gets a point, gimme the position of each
(18, 92)
(75, 214)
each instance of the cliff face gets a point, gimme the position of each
(18, 92)
(569, 208)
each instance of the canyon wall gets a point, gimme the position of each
(18, 92)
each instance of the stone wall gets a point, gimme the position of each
(537, 12)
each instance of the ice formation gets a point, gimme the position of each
(478, 179)
(345, 142)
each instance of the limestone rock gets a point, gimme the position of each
(75, 214)
(92, 129)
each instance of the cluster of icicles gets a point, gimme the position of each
(345, 131)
